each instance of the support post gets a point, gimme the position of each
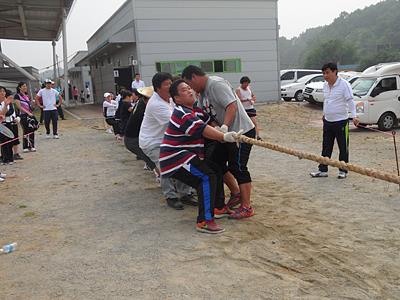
(65, 57)
(53, 43)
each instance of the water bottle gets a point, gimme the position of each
(8, 248)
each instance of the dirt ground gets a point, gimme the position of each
(91, 223)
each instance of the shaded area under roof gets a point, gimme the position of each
(35, 20)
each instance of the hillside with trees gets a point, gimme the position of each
(365, 37)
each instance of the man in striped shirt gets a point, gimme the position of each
(182, 154)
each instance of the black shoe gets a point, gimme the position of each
(175, 203)
(17, 157)
(189, 200)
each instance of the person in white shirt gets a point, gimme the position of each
(137, 83)
(248, 99)
(109, 108)
(48, 95)
(156, 119)
(87, 90)
(338, 102)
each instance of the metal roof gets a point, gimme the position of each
(36, 20)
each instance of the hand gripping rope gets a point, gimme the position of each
(389, 177)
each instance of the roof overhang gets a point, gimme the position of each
(104, 50)
(34, 20)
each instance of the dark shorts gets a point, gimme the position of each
(230, 157)
(251, 112)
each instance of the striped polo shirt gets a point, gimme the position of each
(183, 139)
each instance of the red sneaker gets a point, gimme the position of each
(222, 213)
(234, 200)
(209, 227)
(242, 212)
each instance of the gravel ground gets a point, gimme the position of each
(91, 223)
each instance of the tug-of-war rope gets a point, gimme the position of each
(389, 177)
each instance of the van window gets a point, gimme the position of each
(318, 79)
(288, 76)
(387, 84)
(305, 73)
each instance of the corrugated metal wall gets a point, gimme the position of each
(198, 30)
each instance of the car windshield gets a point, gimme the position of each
(362, 85)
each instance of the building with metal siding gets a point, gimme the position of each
(229, 38)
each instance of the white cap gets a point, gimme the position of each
(106, 95)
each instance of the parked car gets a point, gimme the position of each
(292, 75)
(314, 93)
(377, 97)
(295, 89)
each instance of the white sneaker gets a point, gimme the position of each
(48, 136)
(146, 167)
(56, 136)
(342, 175)
(109, 130)
(3, 175)
(25, 150)
(318, 174)
(2, 179)
(33, 149)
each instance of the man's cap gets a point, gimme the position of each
(146, 91)
(48, 81)
(106, 95)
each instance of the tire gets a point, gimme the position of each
(387, 121)
(287, 99)
(299, 96)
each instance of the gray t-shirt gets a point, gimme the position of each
(217, 95)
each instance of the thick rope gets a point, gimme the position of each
(389, 177)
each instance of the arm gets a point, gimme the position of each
(230, 114)
(59, 101)
(213, 134)
(350, 102)
(37, 100)
(19, 107)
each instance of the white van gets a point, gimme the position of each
(292, 75)
(377, 97)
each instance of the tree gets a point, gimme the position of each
(331, 51)
(389, 55)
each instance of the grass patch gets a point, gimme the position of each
(22, 206)
(29, 214)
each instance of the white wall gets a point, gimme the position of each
(204, 29)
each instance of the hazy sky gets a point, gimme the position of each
(294, 17)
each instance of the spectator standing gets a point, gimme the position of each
(59, 107)
(25, 106)
(10, 121)
(137, 83)
(82, 95)
(248, 99)
(88, 92)
(338, 102)
(75, 93)
(49, 99)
